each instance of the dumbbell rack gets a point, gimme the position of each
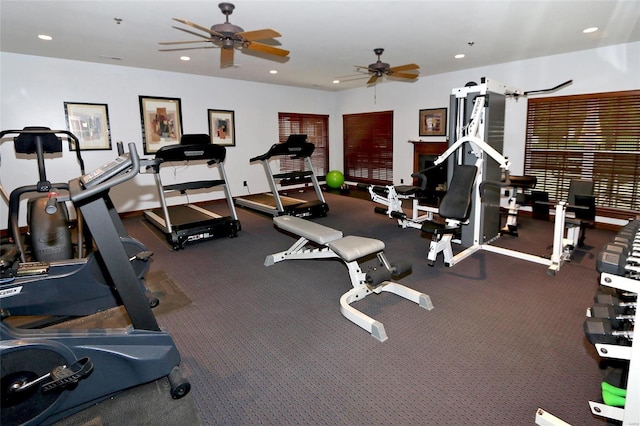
(630, 414)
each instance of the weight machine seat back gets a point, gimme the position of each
(585, 208)
(579, 187)
(456, 203)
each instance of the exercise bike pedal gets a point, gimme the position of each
(143, 255)
(61, 377)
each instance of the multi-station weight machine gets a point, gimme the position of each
(477, 135)
(477, 127)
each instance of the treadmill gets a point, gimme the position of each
(273, 202)
(188, 223)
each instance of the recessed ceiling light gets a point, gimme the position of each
(273, 72)
(336, 81)
(45, 37)
(459, 56)
(590, 30)
(185, 58)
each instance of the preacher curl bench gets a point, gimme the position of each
(321, 242)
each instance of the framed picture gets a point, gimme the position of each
(433, 122)
(161, 122)
(89, 123)
(222, 127)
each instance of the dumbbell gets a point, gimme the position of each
(609, 312)
(626, 241)
(600, 330)
(621, 305)
(631, 256)
(615, 259)
(613, 395)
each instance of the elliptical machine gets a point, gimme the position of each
(38, 280)
(50, 374)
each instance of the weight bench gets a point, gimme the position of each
(321, 242)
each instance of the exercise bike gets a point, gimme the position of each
(49, 374)
(39, 280)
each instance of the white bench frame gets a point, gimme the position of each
(321, 242)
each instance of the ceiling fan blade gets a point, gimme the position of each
(168, 43)
(373, 79)
(265, 48)
(196, 26)
(187, 48)
(192, 32)
(226, 58)
(406, 67)
(402, 75)
(259, 34)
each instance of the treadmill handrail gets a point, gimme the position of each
(295, 150)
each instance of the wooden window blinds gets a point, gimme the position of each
(594, 136)
(368, 147)
(316, 127)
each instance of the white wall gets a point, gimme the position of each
(599, 70)
(34, 90)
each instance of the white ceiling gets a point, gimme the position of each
(326, 38)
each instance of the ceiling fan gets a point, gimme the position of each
(228, 37)
(379, 69)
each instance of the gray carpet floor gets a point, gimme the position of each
(268, 345)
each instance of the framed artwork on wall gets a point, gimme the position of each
(161, 121)
(222, 127)
(433, 122)
(89, 123)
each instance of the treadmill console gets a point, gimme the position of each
(106, 171)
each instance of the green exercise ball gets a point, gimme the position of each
(334, 179)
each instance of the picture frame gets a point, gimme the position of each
(90, 124)
(222, 127)
(433, 122)
(161, 121)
